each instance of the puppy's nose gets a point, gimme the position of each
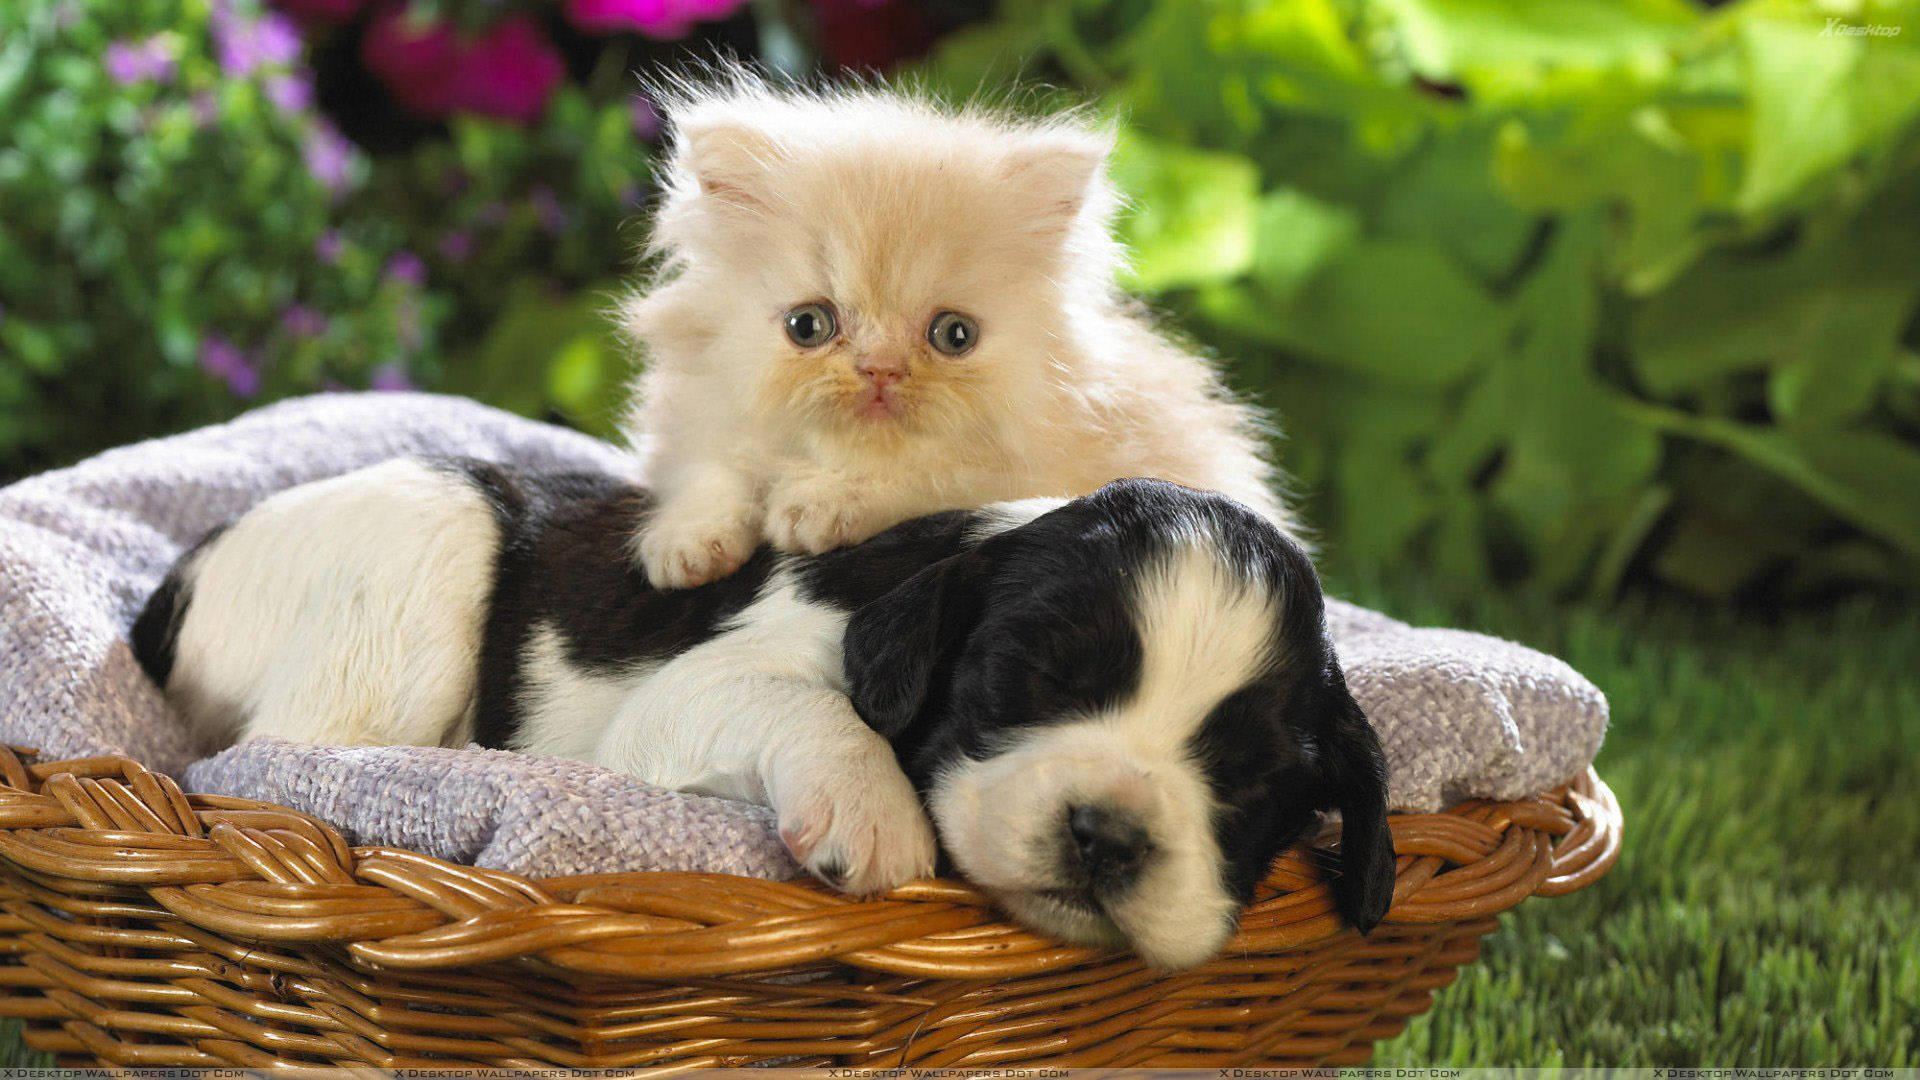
(1109, 846)
(882, 372)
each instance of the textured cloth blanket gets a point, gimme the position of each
(1460, 714)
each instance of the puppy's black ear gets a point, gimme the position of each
(895, 645)
(1357, 779)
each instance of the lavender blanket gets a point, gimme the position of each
(1460, 714)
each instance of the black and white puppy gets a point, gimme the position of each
(1118, 709)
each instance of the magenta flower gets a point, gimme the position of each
(654, 18)
(390, 377)
(509, 72)
(415, 60)
(406, 268)
(225, 361)
(151, 60)
(329, 157)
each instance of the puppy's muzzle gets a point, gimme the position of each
(1105, 849)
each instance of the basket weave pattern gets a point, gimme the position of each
(140, 926)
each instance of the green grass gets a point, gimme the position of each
(1766, 910)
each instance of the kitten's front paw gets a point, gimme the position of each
(861, 831)
(681, 550)
(812, 516)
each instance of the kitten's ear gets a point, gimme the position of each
(1058, 173)
(732, 161)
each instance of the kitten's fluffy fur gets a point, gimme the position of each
(893, 210)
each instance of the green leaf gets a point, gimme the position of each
(1296, 235)
(1867, 477)
(1500, 39)
(1398, 311)
(1803, 123)
(1191, 219)
(1838, 355)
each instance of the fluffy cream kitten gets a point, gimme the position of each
(870, 308)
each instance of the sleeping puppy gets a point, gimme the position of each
(1118, 709)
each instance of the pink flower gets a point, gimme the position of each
(416, 60)
(654, 18)
(509, 71)
(321, 11)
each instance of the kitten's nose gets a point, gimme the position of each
(1108, 846)
(882, 371)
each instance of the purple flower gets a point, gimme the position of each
(327, 247)
(224, 360)
(633, 196)
(300, 320)
(247, 44)
(456, 246)
(646, 118)
(390, 377)
(406, 268)
(547, 209)
(329, 157)
(493, 213)
(144, 61)
(290, 93)
(206, 108)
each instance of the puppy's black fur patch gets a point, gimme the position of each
(156, 630)
(564, 561)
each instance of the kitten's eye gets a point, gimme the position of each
(952, 333)
(811, 325)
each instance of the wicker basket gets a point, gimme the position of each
(144, 927)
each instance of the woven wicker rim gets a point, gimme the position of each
(108, 827)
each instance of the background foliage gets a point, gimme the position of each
(1552, 291)
(1551, 294)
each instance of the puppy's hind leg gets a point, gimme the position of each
(343, 612)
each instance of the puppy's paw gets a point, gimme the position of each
(681, 550)
(863, 833)
(811, 516)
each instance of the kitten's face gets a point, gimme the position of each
(881, 278)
